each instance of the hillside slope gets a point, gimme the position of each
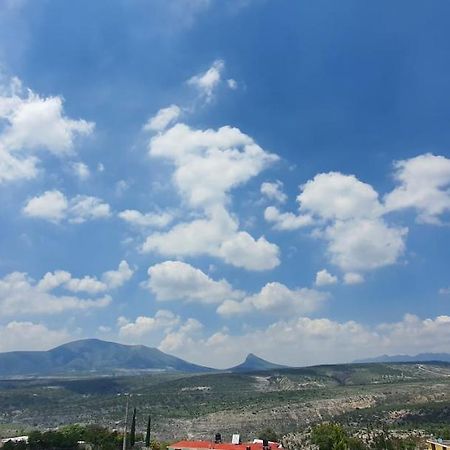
(92, 355)
(253, 363)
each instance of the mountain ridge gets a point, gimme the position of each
(420, 357)
(253, 363)
(92, 355)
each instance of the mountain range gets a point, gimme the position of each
(421, 357)
(102, 357)
(92, 355)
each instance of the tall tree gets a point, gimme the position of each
(147, 435)
(133, 429)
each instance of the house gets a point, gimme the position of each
(438, 444)
(14, 439)
(217, 444)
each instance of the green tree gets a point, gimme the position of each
(268, 434)
(329, 436)
(147, 434)
(133, 429)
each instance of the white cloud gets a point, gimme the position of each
(16, 335)
(20, 295)
(51, 205)
(32, 124)
(322, 341)
(424, 185)
(208, 165)
(111, 279)
(347, 214)
(273, 191)
(216, 236)
(81, 170)
(175, 280)
(206, 82)
(324, 278)
(232, 84)
(148, 220)
(364, 244)
(145, 325)
(55, 207)
(353, 278)
(83, 208)
(444, 291)
(181, 337)
(286, 221)
(339, 197)
(85, 284)
(163, 118)
(276, 298)
(117, 278)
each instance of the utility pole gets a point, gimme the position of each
(124, 446)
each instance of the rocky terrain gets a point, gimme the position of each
(198, 405)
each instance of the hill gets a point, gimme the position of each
(253, 363)
(92, 355)
(421, 357)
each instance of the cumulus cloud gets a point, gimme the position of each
(117, 278)
(32, 124)
(324, 278)
(51, 206)
(348, 215)
(55, 207)
(21, 295)
(424, 185)
(218, 236)
(273, 191)
(18, 335)
(364, 244)
(175, 280)
(184, 335)
(353, 278)
(335, 196)
(109, 280)
(179, 281)
(300, 341)
(147, 220)
(144, 326)
(163, 118)
(208, 164)
(276, 298)
(207, 82)
(286, 221)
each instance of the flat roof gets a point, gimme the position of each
(442, 442)
(221, 446)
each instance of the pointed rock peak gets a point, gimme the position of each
(254, 363)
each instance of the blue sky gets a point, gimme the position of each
(221, 177)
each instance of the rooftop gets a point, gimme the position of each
(441, 442)
(221, 446)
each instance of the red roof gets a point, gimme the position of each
(224, 446)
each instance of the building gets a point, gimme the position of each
(438, 444)
(14, 439)
(217, 444)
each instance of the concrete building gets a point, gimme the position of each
(217, 444)
(14, 439)
(438, 444)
